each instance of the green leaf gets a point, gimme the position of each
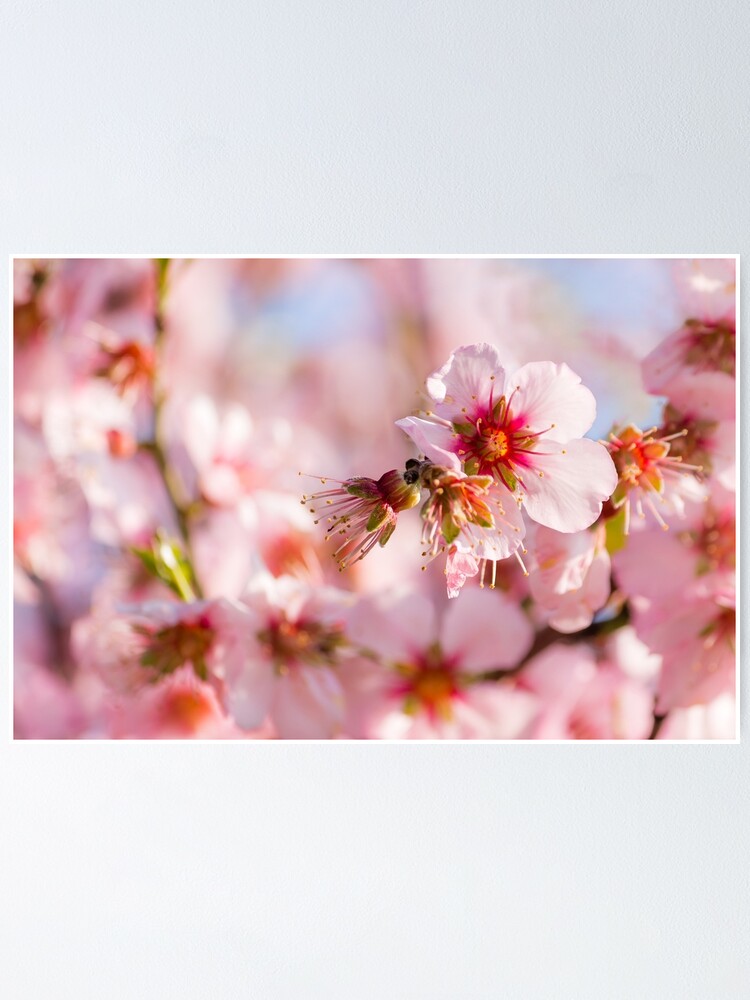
(166, 561)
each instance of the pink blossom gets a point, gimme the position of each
(269, 531)
(650, 477)
(221, 449)
(707, 439)
(697, 643)
(361, 512)
(463, 513)
(133, 646)
(701, 355)
(707, 288)
(570, 576)
(682, 592)
(181, 706)
(583, 699)
(290, 672)
(524, 430)
(425, 680)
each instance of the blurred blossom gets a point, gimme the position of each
(570, 576)
(585, 699)
(432, 686)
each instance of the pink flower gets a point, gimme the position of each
(682, 594)
(702, 353)
(463, 514)
(584, 700)
(425, 680)
(570, 576)
(181, 706)
(133, 646)
(697, 643)
(221, 447)
(707, 288)
(363, 511)
(524, 430)
(649, 475)
(706, 440)
(291, 670)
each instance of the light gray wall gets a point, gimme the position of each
(358, 872)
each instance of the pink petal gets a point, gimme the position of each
(707, 395)
(577, 478)
(308, 704)
(247, 694)
(501, 712)
(466, 377)
(550, 395)
(459, 566)
(654, 564)
(434, 440)
(244, 677)
(485, 631)
(560, 674)
(396, 626)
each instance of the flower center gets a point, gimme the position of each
(493, 443)
(712, 347)
(172, 647)
(429, 684)
(434, 688)
(312, 643)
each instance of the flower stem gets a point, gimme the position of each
(156, 446)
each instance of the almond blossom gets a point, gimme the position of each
(525, 430)
(363, 511)
(702, 353)
(295, 646)
(570, 576)
(432, 685)
(133, 646)
(651, 477)
(170, 584)
(583, 699)
(682, 588)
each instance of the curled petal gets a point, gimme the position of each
(466, 376)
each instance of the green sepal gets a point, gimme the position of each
(465, 430)
(508, 478)
(614, 532)
(387, 532)
(449, 529)
(364, 488)
(379, 514)
(620, 495)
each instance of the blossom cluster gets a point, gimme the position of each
(206, 544)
